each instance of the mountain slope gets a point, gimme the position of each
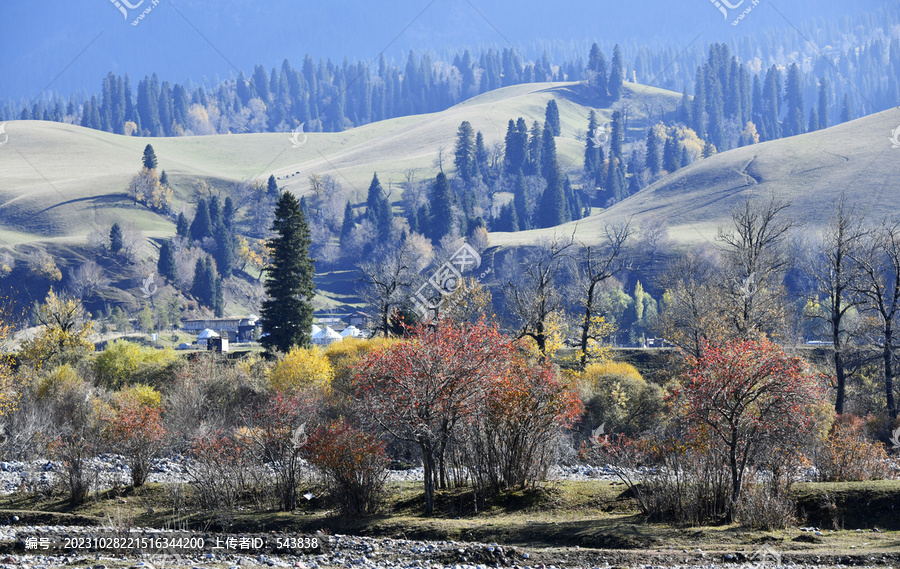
(60, 182)
(810, 171)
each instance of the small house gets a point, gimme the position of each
(326, 336)
(204, 337)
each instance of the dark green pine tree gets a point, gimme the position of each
(149, 158)
(634, 179)
(228, 213)
(348, 224)
(772, 103)
(813, 120)
(219, 299)
(166, 265)
(464, 153)
(202, 226)
(197, 285)
(225, 250)
(533, 162)
(552, 209)
(616, 74)
(215, 211)
(714, 109)
(551, 117)
(685, 108)
(164, 178)
(617, 136)
(549, 165)
(823, 102)
(591, 152)
(652, 158)
(514, 153)
(182, 226)
(272, 188)
(204, 286)
(520, 204)
(846, 109)
(115, 238)
(441, 208)
(685, 160)
(670, 155)
(699, 115)
(507, 220)
(598, 70)
(572, 204)
(287, 312)
(373, 196)
(793, 98)
(384, 220)
(482, 167)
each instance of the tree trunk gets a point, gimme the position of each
(586, 325)
(428, 463)
(889, 371)
(841, 382)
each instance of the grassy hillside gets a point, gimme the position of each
(59, 182)
(810, 171)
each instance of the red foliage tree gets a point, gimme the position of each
(280, 433)
(137, 432)
(354, 464)
(423, 390)
(743, 397)
(523, 412)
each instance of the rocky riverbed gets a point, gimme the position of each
(340, 551)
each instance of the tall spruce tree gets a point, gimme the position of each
(348, 224)
(441, 208)
(202, 226)
(149, 159)
(287, 312)
(551, 117)
(846, 109)
(166, 265)
(115, 238)
(823, 102)
(182, 226)
(793, 98)
(616, 74)
(652, 158)
(225, 250)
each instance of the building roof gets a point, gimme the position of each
(207, 334)
(327, 333)
(351, 331)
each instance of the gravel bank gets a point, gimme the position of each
(370, 553)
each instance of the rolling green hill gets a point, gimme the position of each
(810, 171)
(59, 182)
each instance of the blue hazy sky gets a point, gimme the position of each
(70, 46)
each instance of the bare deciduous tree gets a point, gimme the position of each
(880, 285)
(87, 279)
(386, 282)
(596, 264)
(535, 292)
(754, 265)
(835, 276)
